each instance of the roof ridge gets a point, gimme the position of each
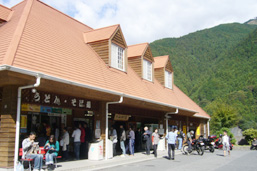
(162, 56)
(138, 44)
(64, 14)
(101, 28)
(11, 51)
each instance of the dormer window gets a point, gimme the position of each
(147, 70)
(168, 79)
(117, 57)
(110, 45)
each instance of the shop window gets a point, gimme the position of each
(117, 57)
(147, 70)
(168, 79)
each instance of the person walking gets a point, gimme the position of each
(225, 142)
(155, 141)
(122, 138)
(131, 136)
(180, 139)
(76, 135)
(114, 140)
(52, 147)
(171, 137)
(31, 150)
(147, 138)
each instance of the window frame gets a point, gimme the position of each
(168, 79)
(117, 50)
(146, 72)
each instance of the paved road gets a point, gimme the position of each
(239, 160)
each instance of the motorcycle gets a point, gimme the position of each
(219, 145)
(209, 143)
(197, 145)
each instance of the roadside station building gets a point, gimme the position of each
(57, 70)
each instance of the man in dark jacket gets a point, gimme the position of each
(147, 138)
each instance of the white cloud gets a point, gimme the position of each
(9, 3)
(148, 20)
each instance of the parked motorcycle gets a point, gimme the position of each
(209, 143)
(197, 145)
(219, 145)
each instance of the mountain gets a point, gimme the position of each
(252, 21)
(217, 65)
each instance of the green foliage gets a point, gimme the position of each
(250, 134)
(217, 65)
(223, 116)
(221, 131)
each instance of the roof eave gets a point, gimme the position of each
(61, 80)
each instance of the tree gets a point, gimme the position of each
(250, 134)
(224, 116)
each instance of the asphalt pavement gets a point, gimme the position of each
(239, 160)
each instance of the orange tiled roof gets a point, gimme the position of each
(137, 50)
(50, 42)
(100, 34)
(161, 61)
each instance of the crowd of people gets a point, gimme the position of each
(77, 141)
(130, 141)
(54, 141)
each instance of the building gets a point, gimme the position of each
(81, 74)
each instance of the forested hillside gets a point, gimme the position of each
(217, 66)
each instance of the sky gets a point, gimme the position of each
(149, 20)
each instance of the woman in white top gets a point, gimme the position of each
(225, 142)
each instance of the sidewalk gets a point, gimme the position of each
(88, 165)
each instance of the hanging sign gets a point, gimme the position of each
(119, 117)
(52, 99)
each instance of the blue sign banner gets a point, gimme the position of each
(46, 109)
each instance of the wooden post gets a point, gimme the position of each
(7, 126)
